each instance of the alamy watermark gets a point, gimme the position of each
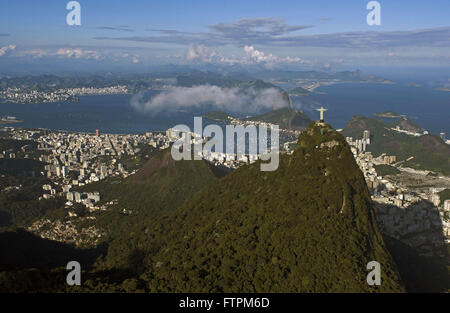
(74, 16)
(374, 16)
(374, 276)
(204, 141)
(73, 278)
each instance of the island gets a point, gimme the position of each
(388, 114)
(9, 120)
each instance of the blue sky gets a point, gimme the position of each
(305, 34)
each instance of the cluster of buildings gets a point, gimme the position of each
(17, 95)
(84, 91)
(67, 232)
(417, 218)
(88, 199)
(418, 134)
(359, 146)
(234, 160)
(78, 159)
(230, 160)
(410, 133)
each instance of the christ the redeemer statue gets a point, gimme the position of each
(321, 110)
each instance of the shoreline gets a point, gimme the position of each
(74, 100)
(10, 122)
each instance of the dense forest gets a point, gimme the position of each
(307, 227)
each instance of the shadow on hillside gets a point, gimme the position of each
(419, 273)
(219, 170)
(415, 238)
(20, 167)
(20, 249)
(5, 219)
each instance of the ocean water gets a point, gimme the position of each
(114, 113)
(427, 107)
(107, 113)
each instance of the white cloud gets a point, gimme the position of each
(35, 53)
(5, 49)
(75, 53)
(257, 56)
(251, 56)
(201, 53)
(225, 99)
(78, 53)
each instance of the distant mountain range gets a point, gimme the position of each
(354, 76)
(189, 77)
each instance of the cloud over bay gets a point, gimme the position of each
(234, 100)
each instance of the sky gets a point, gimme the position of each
(299, 34)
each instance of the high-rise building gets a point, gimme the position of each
(69, 196)
(447, 205)
(77, 196)
(366, 134)
(103, 171)
(366, 137)
(435, 199)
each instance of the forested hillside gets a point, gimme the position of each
(306, 227)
